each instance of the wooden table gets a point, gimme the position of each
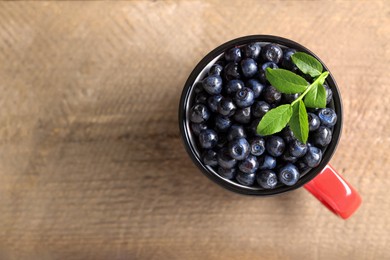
(91, 161)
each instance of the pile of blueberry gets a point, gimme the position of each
(227, 106)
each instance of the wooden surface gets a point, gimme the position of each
(91, 162)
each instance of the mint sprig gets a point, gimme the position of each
(312, 95)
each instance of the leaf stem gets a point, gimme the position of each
(318, 79)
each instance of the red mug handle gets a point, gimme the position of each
(334, 192)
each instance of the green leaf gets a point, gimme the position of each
(286, 81)
(307, 63)
(316, 97)
(321, 78)
(299, 123)
(274, 120)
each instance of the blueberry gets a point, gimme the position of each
(297, 149)
(199, 113)
(248, 67)
(222, 140)
(225, 160)
(314, 121)
(302, 167)
(287, 157)
(272, 52)
(252, 50)
(252, 128)
(249, 164)
(208, 138)
(234, 85)
(289, 98)
(226, 107)
(288, 174)
(244, 97)
(255, 86)
(209, 157)
(235, 132)
(313, 156)
(231, 71)
(213, 84)
(275, 146)
(198, 127)
(233, 54)
(267, 162)
(264, 67)
(213, 102)
(257, 146)
(287, 62)
(288, 134)
(327, 117)
(267, 179)
(198, 87)
(329, 94)
(227, 173)
(201, 98)
(246, 179)
(260, 108)
(216, 69)
(271, 95)
(322, 136)
(243, 115)
(222, 123)
(239, 149)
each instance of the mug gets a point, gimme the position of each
(322, 181)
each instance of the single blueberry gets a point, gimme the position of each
(249, 164)
(198, 127)
(213, 102)
(322, 136)
(248, 67)
(267, 179)
(231, 71)
(275, 145)
(327, 117)
(329, 94)
(215, 69)
(287, 62)
(314, 121)
(297, 149)
(198, 87)
(260, 108)
(252, 50)
(208, 138)
(271, 95)
(246, 179)
(267, 162)
(236, 131)
(222, 140)
(243, 115)
(255, 86)
(264, 67)
(234, 85)
(226, 107)
(227, 173)
(201, 98)
(239, 149)
(288, 134)
(302, 167)
(233, 54)
(199, 113)
(257, 146)
(213, 84)
(289, 98)
(272, 52)
(313, 156)
(244, 97)
(252, 128)
(222, 123)
(225, 160)
(287, 157)
(288, 174)
(210, 158)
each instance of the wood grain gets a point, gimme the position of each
(91, 161)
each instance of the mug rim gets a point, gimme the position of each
(191, 147)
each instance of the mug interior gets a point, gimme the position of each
(189, 139)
